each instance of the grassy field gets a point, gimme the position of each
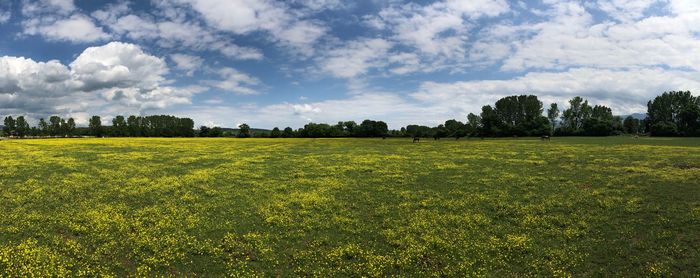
(350, 207)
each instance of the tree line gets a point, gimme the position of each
(133, 126)
(673, 113)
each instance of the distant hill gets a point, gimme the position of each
(639, 116)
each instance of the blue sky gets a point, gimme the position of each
(286, 63)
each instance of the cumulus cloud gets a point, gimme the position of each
(625, 91)
(113, 78)
(5, 13)
(171, 30)
(187, 63)
(58, 20)
(120, 65)
(356, 57)
(246, 16)
(234, 81)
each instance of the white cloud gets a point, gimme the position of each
(571, 37)
(439, 28)
(116, 78)
(58, 20)
(356, 57)
(247, 16)
(174, 33)
(116, 64)
(187, 63)
(5, 14)
(626, 91)
(234, 81)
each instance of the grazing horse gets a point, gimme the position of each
(436, 137)
(416, 139)
(545, 137)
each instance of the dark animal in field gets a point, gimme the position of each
(436, 137)
(545, 137)
(416, 139)
(457, 137)
(383, 137)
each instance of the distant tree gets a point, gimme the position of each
(370, 128)
(243, 131)
(574, 116)
(473, 124)
(64, 128)
(440, 132)
(275, 133)
(22, 127)
(419, 131)
(9, 126)
(674, 114)
(455, 128)
(95, 126)
(204, 131)
(552, 115)
(119, 127)
(55, 126)
(216, 132)
(70, 127)
(133, 126)
(43, 127)
(489, 121)
(288, 132)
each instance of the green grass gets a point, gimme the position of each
(350, 207)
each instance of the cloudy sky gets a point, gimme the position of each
(285, 63)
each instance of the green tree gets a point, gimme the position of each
(9, 126)
(288, 132)
(243, 131)
(70, 127)
(275, 133)
(553, 115)
(574, 116)
(119, 127)
(677, 112)
(22, 127)
(43, 127)
(455, 128)
(370, 128)
(55, 126)
(95, 126)
(473, 124)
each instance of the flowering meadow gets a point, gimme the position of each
(614, 206)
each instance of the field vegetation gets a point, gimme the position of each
(613, 206)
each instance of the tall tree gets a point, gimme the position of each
(95, 126)
(455, 128)
(70, 127)
(22, 127)
(119, 126)
(674, 113)
(9, 126)
(243, 131)
(55, 126)
(43, 127)
(275, 133)
(473, 124)
(574, 116)
(552, 115)
(288, 132)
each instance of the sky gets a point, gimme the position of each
(286, 63)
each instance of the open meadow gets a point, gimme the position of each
(611, 206)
